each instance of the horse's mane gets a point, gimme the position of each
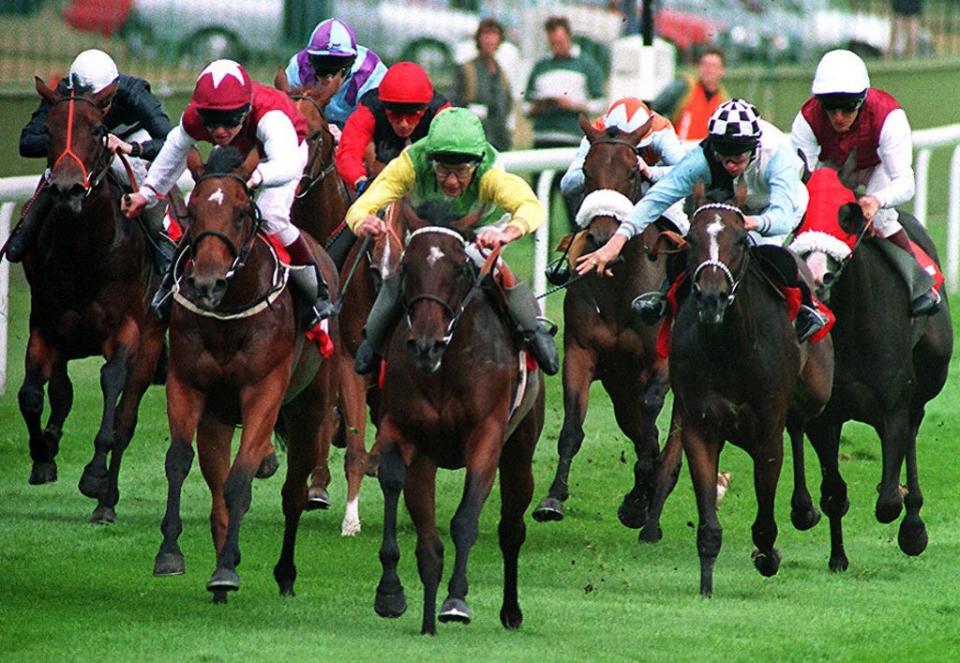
(438, 213)
(223, 160)
(613, 132)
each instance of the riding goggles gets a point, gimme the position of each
(228, 119)
(842, 103)
(409, 112)
(462, 171)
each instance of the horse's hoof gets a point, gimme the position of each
(92, 484)
(268, 466)
(390, 605)
(287, 590)
(804, 519)
(42, 473)
(454, 610)
(889, 507)
(511, 619)
(169, 564)
(633, 512)
(317, 498)
(349, 527)
(219, 596)
(650, 533)
(912, 537)
(549, 509)
(839, 564)
(373, 465)
(223, 580)
(767, 565)
(103, 515)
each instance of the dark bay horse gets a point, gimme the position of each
(602, 338)
(458, 393)
(238, 358)
(320, 208)
(888, 365)
(735, 369)
(89, 277)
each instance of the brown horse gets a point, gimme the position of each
(439, 410)
(238, 357)
(602, 338)
(89, 277)
(888, 364)
(735, 369)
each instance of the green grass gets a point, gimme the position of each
(72, 590)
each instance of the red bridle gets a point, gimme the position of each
(68, 153)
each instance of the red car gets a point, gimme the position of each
(103, 16)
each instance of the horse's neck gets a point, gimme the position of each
(89, 236)
(322, 209)
(253, 279)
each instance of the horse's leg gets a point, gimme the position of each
(516, 490)
(260, 405)
(912, 536)
(354, 414)
(637, 418)
(317, 495)
(61, 401)
(803, 514)
(579, 366)
(214, 441)
(39, 367)
(139, 376)
(483, 447)
(702, 458)
(894, 433)
(390, 600)
(184, 406)
(419, 494)
(767, 462)
(668, 469)
(304, 417)
(833, 489)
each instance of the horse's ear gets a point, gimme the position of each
(740, 197)
(103, 98)
(590, 131)
(280, 81)
(699, 193)
(195, 163)
(637, 135)
(250, 163)
(44, 90)
(851, 218)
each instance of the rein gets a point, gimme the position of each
(316, 138)
(89, 183)
(733, 282)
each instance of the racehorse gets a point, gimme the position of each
(888, 364)
(439, 410)
(238, 357)
(602, 338)
(735, 369)
(319, 208)
(89, 277)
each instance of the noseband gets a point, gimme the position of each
(89, 183)
(239, 254)
(733, 282)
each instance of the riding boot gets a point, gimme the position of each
(383, 317)
(163, 297)
(162, 246)
(924, 298)
(309, 282)
(537, 336)
(338, 245)
(24, 236)
(651, 306)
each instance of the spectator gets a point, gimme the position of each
(906, 27)
(561, 87)
(689, 102)
(484, 88)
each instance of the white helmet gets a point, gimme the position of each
(840, 72)
(93, 69)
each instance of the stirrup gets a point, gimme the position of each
(650, 306)
(926, 304)
(547, 325)
(809, 321)
(161, 302)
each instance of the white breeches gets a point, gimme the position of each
(275, 202)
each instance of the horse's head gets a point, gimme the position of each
(612, 178)
(311, 102)
(719, 252)
(828, 234)
(223, 223)
(77, 152)
(438, 280)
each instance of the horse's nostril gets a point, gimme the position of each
(220, 285)
(191, 283)
(828, 279)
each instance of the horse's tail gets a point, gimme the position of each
(160, 372)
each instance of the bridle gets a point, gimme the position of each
(240, 254)
(90, 180)
(317, 172)
(635, 173)
(454, 313)
(732, 282)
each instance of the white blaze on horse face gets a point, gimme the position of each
(216, 196)
(435, 255)
(713, 230)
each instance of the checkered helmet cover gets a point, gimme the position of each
(735, 119)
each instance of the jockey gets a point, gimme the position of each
(740, 147)
(137, 127)
(333, 58)
(396, 114)
(454, 163)
(863, 132)
(227, 108)
(659, 149)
